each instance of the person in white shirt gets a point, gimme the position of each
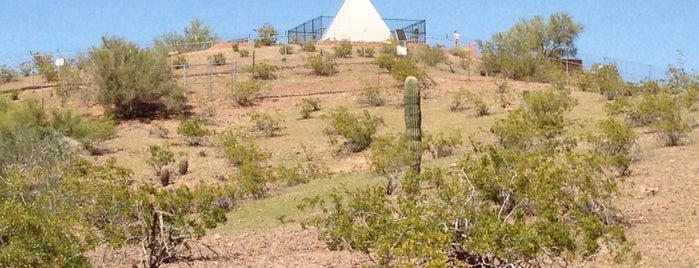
(457, 36)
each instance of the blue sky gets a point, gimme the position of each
(643, 34)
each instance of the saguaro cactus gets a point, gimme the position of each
(413, 120)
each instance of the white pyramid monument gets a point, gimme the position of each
(358, 20)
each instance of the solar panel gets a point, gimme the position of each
(400, 35)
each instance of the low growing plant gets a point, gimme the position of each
(357, 130)
(372, 96)
(343, 50)
(322, 65)
(308, 105)
(268, 125)
(246, 92)
(193, 130)
(159, 157)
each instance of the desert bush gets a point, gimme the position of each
(385, 61)
(390, 156)
(322, 65)
(244, 53)
(14, 94)
(262, 71)
(7, 74)
(308, 105)
(196, 37)
(605, 79)
(404, 67)
(87, 130)
(442, 145)
(497, 201)
(32, 138)
(44, 63)
(432, 55)
(366, 52)
(26, 68)
(266, 35)
(217, 59)
(264, 123)
(286, 49)
(615, 142)
(246, 92)
(159, 158)
(240, 148)
(467, 100)
(193, 130)
(133, 82)
(179, 61)
(372, 96)
(235, 47)
(309, 46)
(343, 50)
(158, 130)
(357, 130)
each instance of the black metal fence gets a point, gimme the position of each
(416, 30)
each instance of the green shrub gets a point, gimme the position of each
(604, 78)
(240, 148)
(7, 74)
(235, 47)
(442, 145)
(343, 50)
(193, 130)
(286, 49)
(266, 35)
(159, 158)
(44, 63)
(133, 82)
(372, 96)
(14, 94)
(390, 157)
(366, 52)
(158, 130)
(386, 61)
(87, 130)
(309, 46)
(357, 130)
(432, 55)
(245, 93)
(245, 53)
(322, 65)
(615, 141)
(196, 37)
(308, 105)
(401, 68)
(466, 100)
(268, 125)
(217, 59)
(179, 61)
(262, 71)
(26, 68)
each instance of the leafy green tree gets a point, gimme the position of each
(134, 82)
(196, 37)
(525, 50)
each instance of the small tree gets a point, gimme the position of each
(133, 82)
(159, 158)
(267, 35)
(196, 37)
(44, 63)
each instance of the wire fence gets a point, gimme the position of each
(209, 75)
